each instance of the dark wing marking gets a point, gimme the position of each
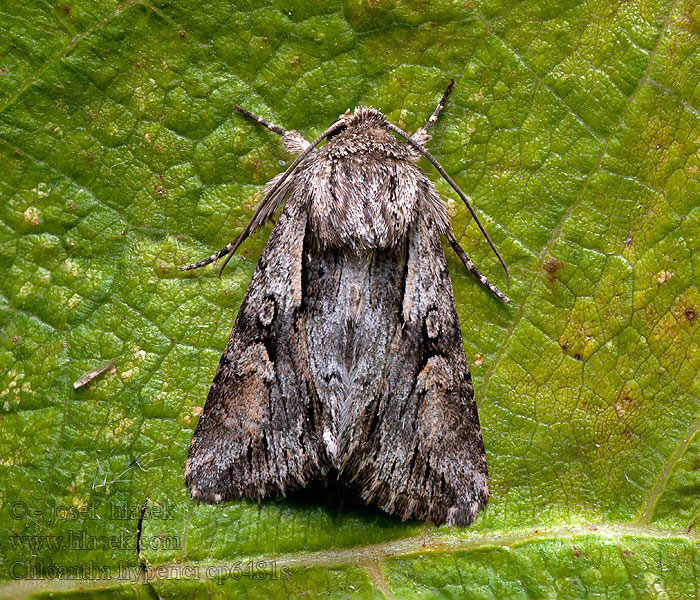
(258, 431)
(415, 449)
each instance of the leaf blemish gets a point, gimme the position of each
(663, 276)
(551, 267)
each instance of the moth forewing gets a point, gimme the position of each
(346, 355)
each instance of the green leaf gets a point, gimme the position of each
(574, 126)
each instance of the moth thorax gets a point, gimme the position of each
(361, 203)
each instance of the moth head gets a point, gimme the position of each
(364, 117)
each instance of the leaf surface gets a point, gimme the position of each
(575, 127)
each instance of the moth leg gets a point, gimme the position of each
(421, 135)
(267, 207)
(294, 142)
(471, 267)
(257, 119)
(269, 204)
(439, 107)
(276, 189)
(216, 256)
(231, 247)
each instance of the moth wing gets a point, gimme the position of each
(257, 432)
(417, 449)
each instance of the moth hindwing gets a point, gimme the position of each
(346, 356)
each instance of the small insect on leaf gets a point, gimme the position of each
(346, 359)
(90, 375)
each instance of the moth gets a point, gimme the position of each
(346, 357)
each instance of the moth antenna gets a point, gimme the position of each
(253, 223)
(455, 187)
(294, 142)
(271, 126)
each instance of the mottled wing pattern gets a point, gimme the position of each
(347, 353)
(353, 303)
(416, 448)
(258, 431)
